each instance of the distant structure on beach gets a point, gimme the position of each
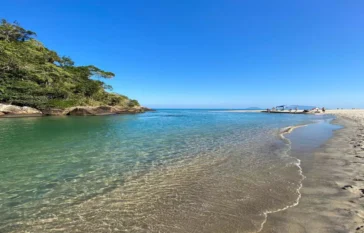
(293, 109)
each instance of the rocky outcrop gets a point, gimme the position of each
(12, 110)
(102, 110)
(81, 111)
(145, 109)
(53, 112)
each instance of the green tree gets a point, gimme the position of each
(13, 32)
(33, 75)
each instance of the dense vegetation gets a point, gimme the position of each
(33, 75)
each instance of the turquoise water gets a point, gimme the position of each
(163, 171)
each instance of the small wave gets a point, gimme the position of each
(287, 130)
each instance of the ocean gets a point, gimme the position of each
(163, 171)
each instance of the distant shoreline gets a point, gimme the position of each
(14, 111)
(235, 110)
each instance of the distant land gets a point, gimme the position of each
(301, 107)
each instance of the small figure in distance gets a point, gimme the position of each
(323, 109)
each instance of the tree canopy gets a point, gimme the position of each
(33, 75)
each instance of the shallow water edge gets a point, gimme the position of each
(216, 173)
(325, 205)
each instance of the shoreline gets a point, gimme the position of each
(333, 188)
(283, 131)
(14, 111)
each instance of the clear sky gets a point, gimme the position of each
(211, 54)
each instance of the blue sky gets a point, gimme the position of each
(211, 54)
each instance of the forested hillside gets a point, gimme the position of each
(33, 75)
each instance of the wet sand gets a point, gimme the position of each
(333, 191)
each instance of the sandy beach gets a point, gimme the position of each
(333, 190)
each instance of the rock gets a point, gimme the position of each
(95, 111)
(53, 112)
(346, 187)
(80, 111)
(145, 109)
(6, 109)
(103, 110)
(9, 109)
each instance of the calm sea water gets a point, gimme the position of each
(163, 171)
